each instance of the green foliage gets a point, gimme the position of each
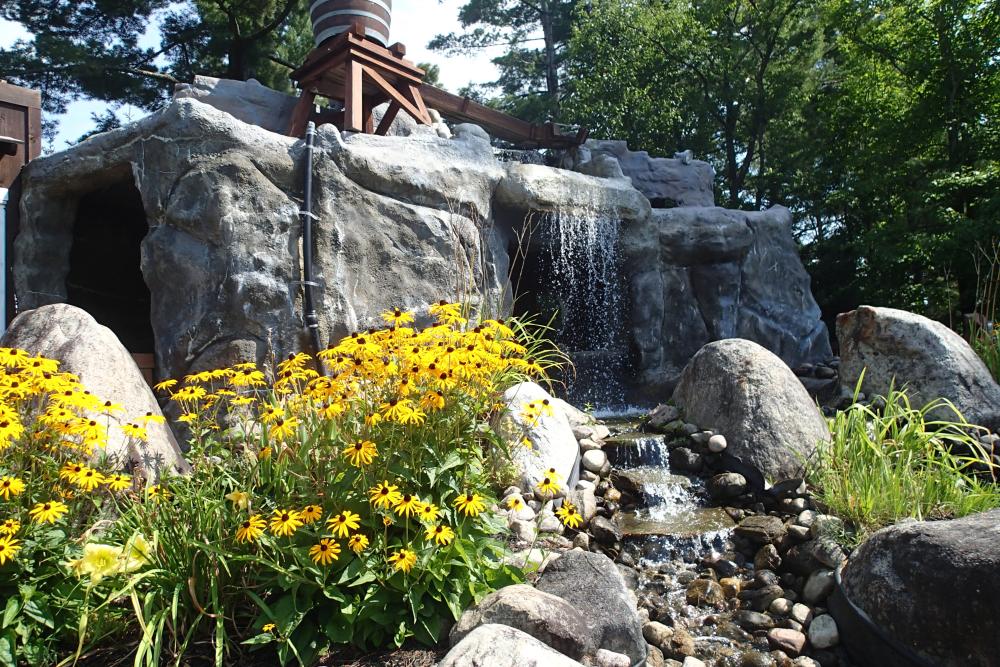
(531, 70)
(902, 462)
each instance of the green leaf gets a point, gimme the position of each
(8, 648)
(262, 638)
(11, 612)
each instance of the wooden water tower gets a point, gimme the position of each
(20, 142)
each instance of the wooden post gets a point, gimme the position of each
(354, 97)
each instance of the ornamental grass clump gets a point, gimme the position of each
(885, 465)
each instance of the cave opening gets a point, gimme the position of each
(105, 275)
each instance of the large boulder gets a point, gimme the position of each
(94, 354)
(536, 187)
(932, 586)
(503, 646)
(927, 358)
(544, 616)
(665, 181)
(398, 223)
(592, 583)
(739, 389)
(553, 444)
(698, 274)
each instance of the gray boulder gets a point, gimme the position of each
(553, 444)
(502, 646)
(740, 389)
(544, 616)
(666, 181)
(933, 587)
(927, 358)
(592, 583)
(701, 274)
(94, 354)
(540, 188)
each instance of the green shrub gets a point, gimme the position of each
(883, 466)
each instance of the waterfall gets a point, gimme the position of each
(584, 265)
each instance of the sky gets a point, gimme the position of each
(414, 23)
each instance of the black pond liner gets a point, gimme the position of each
(867, 642)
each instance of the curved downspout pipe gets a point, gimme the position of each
(307, 217)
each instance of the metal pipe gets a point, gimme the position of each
(306, 215)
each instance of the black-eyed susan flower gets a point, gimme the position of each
(429, 512)
(470, 504)
(384, 495)
(166, 385)
(118, 482)
(271, 414)
(70, 470)
(325, 552)
(361, 453)
(13, 358)
(548, 486)
(432, 401)
(440, 534)
(133, 430)
(10, 527)
(8, 548)
(407, 505)
(247, 377)
(285, 522)
(150, 418)
(49, 512)
(282, 428)
(515, 503)
(403, 560)
(158, 493)
(251, 529)
(265, 453)
(569, 515)
(397, 317)
(342, 524)
(310, 514)
(358, 542)
(88, 479)
(239, 499)
(10, 486)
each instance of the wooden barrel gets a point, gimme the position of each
(332, 17)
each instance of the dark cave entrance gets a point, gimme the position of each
(105, 274)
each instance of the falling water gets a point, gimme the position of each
(585, 269)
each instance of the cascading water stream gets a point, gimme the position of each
(584, 265)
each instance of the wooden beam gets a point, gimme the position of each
(398, 96)
(390, 115)
(353, 97)
(301, 113)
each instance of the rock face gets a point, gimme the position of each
(925, 356)
(665, 181)
(545, 617)
(395, 226)
(502, 646)
(553, 444)
(93, 353)
(748, 394)
(933, 587)
(403, 221)
(703, 274)
(592, 583)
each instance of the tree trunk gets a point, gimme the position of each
(551, 71)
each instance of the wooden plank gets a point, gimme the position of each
(14, 123)
(353, 97)
(18, 96)
(397, 96)
(390, 115)
(301, 113)
(419, 101)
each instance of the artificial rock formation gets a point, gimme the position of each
(400, 221)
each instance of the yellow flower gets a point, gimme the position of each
(49, 512)
(69, 471)
(325, 552)
(358, 543)
(88, 479)
(548, 486)
(166, 385)
(385, 495)
(471, 504)
(251, 529)
(440, 534)
(110, 408)
(387, 521)
(158, 492)
(569, 515)
(8, 549)
(99, 561)
(247, 377)
(397, 317)
(118, 482)
(407, 505)
(13, 358)
(265, 454)
(239, 499)
(137, 553)
(271, 414)
(10, 486)
(188, 418)
(310, 514)
(283, 429)
(135, 431)
(342, 524)
(413, 416)
(515, 503)
(150, 418)
(10, 527)
(361, 453)
(404, 560)
(285, 522)
(429, 512)
(432, 401)
(269, 627)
